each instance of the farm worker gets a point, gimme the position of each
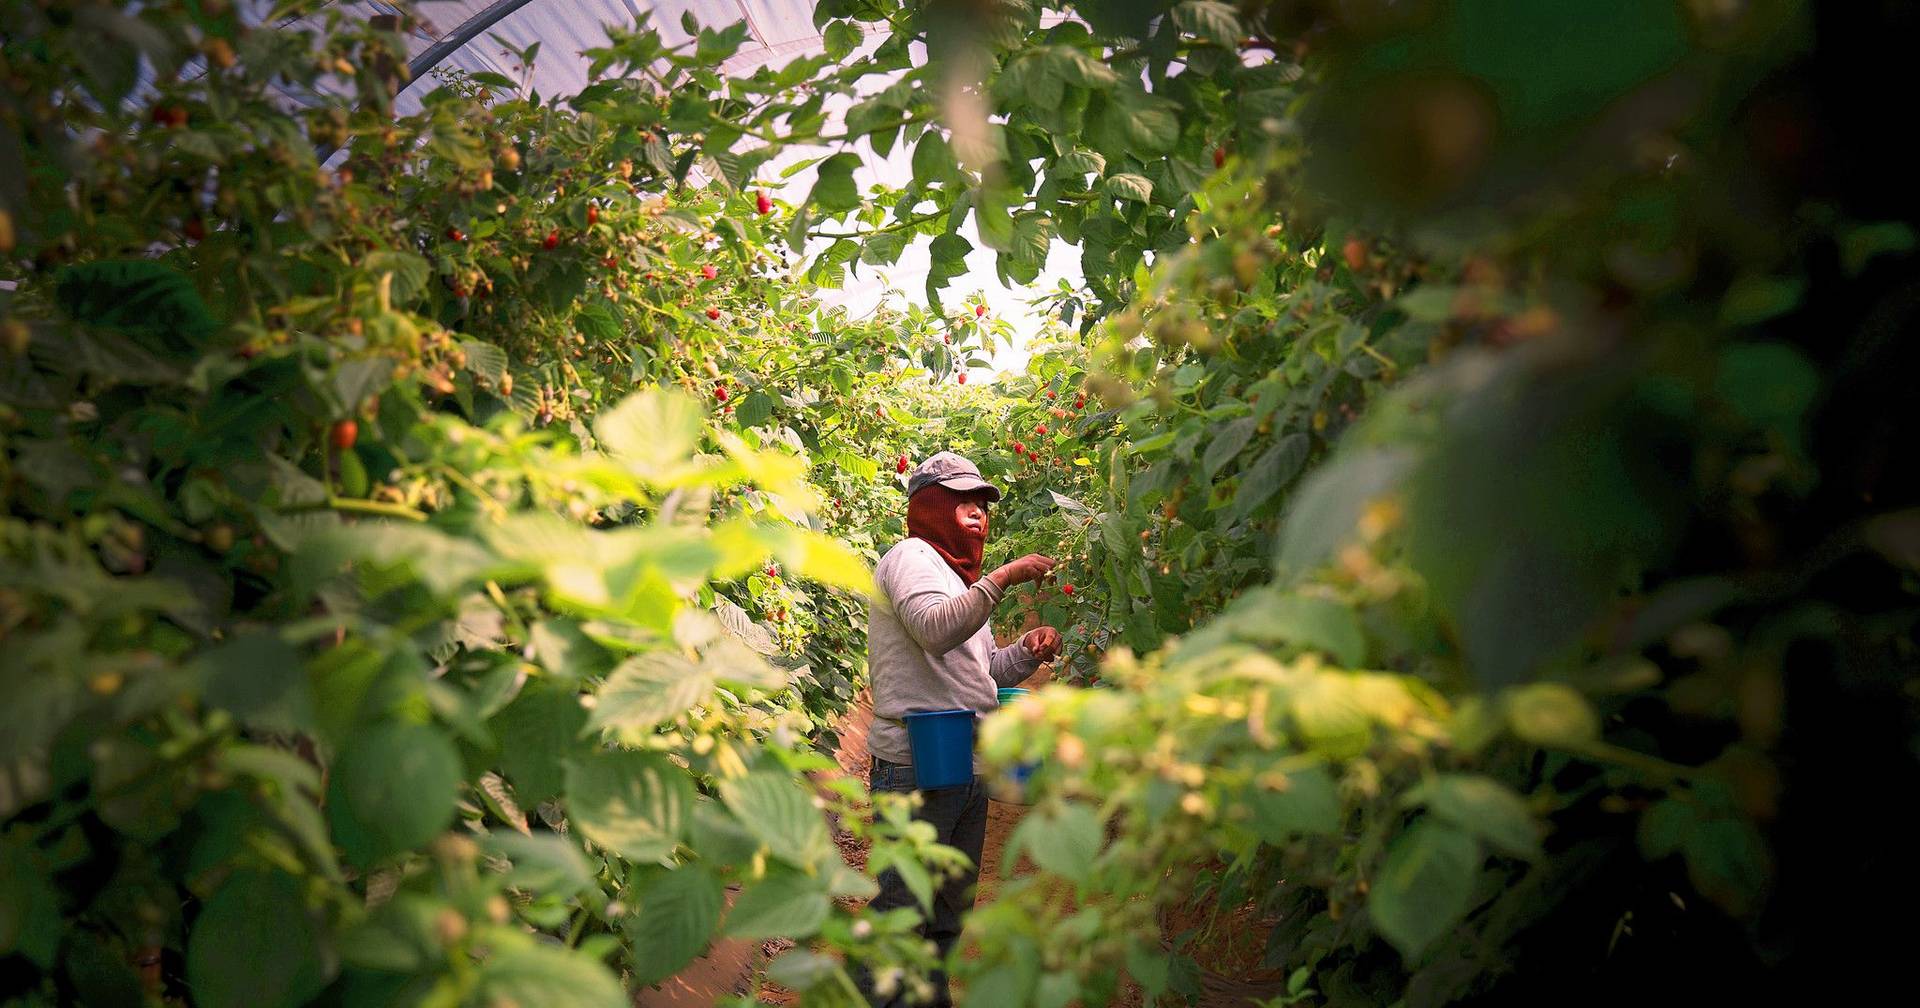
(929, 648)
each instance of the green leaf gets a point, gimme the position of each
(1149, 123)
(521, 970)
(1080, 162)
(1032, 237)
(391, 789)
(672, 922)
(356, 380)
(112, 70)
(912, 873)
(564, 651)
(840, 38)
(650, 688)
(1551, 714)
(754, 410)
(443, 563)
(870, 116)
(1483, 807)
(1769, 385)
(30, 918)
(1225, 442)
(537, 733)
(1321, 624)
(260, 679)
(494, 80)
(1001, 985)
(1328, 506)
(632, 803)
(1211, 20)
(884, 248)
(780, 813)
(834, 191)
(948, 255)
(1428, 303)
(1056, 990)
(1308, 806)
(1274, 469)
(754, 635)
(932, 158)
(993, 217)
(801, 970)
(1425, 886)
(1077, 67)
(827, 560)
(1754, 299)
(1068, 504)
(718, 836)
(545, 863)
(1130, 187)
(1063, 842)
(1148, 966)
(1664, 828)
(597, 323)
(1859, 246)
(1727, 861)
(256, 943)
(1331, 716)
(785, 904)
(410, 274)
(100, 970)
(654, 432)
(136, 296)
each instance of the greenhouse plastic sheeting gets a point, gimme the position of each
(778, 30)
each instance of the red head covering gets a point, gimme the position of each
(930, 516)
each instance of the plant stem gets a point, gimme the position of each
(909, 222)
(577, 927)
(353, 505)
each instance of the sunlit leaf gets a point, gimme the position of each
(1551, 714)
(649, 688)
(654, 431)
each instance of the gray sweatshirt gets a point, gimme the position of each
(929, 647)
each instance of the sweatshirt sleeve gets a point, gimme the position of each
(1011, 665)
(936, 620)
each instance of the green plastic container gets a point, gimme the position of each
(1009, 694)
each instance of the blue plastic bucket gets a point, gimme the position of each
(942, 743)
(1013, 788)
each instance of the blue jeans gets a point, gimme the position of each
(959, 815)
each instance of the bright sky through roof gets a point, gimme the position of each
(781, 31)
(906, 279)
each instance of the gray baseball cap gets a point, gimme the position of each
(952, 471)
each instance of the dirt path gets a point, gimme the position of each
(853, 757)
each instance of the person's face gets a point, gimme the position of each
(972, 516)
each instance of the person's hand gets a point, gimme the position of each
(1042, 642)
(1028, 568)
